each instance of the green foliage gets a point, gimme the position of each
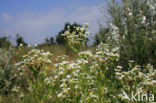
(7, 71)
(49, 41)
(36, 64)
(101, 36)
(4, 42)
(90, 77)
(20, 40)
(132, 28)
(60, 39)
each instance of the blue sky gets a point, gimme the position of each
(37, 19)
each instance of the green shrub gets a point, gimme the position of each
(7, 71)
(132, 28)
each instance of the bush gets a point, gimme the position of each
(132, 28)
(4, 42)
(20, 40)
(7, 71)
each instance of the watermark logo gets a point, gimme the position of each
(138, 97)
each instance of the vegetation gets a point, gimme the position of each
(120, 68)
(132, 28)
(7, 71)
(4, 42)
(92, 77)
(60, 39)
(20, 40)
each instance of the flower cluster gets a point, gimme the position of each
(78, 79)
(72, 78)
(136, 79)
(90, 77)
(34, 70)
(77, 35)
(35, 58)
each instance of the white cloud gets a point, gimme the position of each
(35, 27)
(6, 17)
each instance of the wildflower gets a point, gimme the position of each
(99, 52)
(36, 45)
(86, 24)
(117, 55)
(102, 60)
(56, 65)
(117, 73)
(65, 90)
(143, 19)
(153, 81)
(55, 77)
(16, 89)
(68, 76)
(82, 29)
(19, 63)
(75, 74)
(21, 45)
(86, 53)
(76, 86)
(61, 73)
(29, 46)
(131, 61)
(94, 96)
(130, 14)
(82, 61)
(60, 95)
(21, 95)
(62, 85)
(120, 67)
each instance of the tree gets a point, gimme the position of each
(61, 40)
(101, 36)
(49, 41)
(133, 30)
(20, 40)
(4, 42)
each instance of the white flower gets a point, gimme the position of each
(29, 46)
(86, 24)
(117, 55)
(120, 67)
(75, 74)
(36, 45)
(86, 53)
(56, 65)
(48, 61)
(76, 86)
(117, 73)
(82, 29)
(55, 77)
(65, 90)
(77, 70)
(99, 52)
(131, 61)
(82, 61)
(68, 88)
(62, 85)
(94, 96)
(68, 76)
(130, 14)
(60, 95)
(153, 81)
(21, 45)
(61, 73)
(143, 19)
